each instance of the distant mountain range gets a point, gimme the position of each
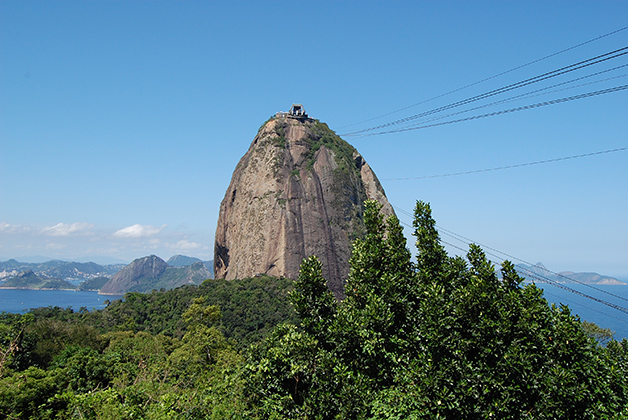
(29, 280)
(56, 274)
(56, 269)
(148, 273)
(538, 272)
(184, 261)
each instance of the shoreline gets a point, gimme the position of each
(41, 288)
(48, 289)
(20, 300)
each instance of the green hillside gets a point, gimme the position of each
(93, 284)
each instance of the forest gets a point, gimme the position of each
(434, 337)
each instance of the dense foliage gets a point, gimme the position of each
(442, 338)
(250, 308)
(165, 354)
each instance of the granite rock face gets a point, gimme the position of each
(298, 191)
(134, 274)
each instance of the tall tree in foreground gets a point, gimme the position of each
(445, 338)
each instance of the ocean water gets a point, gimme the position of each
(20, 300)
(605, 305)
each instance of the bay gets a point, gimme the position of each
(604, 305)
(21, 300)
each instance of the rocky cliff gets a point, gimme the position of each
(141, 270)
(298, 191)
(148, 273)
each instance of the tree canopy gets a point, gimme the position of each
(440, 338)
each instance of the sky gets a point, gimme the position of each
(121, 122)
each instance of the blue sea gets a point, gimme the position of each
(590, 303)
(605, 305)
(20, 300)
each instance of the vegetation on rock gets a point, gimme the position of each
(93, 284)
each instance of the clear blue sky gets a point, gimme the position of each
(121, 121)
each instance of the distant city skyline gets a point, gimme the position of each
(122, 122)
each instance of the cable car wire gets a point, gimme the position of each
(519, 165)
(546, 90)
(545, 279)
(506, 111)
(492, 77)
(545, 76)
(468, 241)
(577, 292)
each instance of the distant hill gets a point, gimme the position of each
(92, 276)
(591, 278)
(93, 284)
(29, 280)
(184, 261)
(529, 271)
(56, 269)
(148, 273)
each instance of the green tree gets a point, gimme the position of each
(602, 335)
(28, 395)
(445, 338)
(11, 336)
(312, 300)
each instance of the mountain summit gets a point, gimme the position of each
(298, 191)
(147, 273)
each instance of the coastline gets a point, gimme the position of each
(43, 288)
(19, 300)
